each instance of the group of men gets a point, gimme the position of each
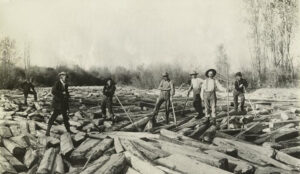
(202, 90)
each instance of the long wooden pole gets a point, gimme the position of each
(227, 98)
(175, 120)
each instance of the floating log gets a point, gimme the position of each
(59, 165)
(195, 154)
(199, 131)
(14, 148)
(132, 171)
(118, 146)
(141, 165)
(5, 132)
(127, 135)
(137, 124)
(115, 165)
(6, 167)
(234, 165)
(66, 144)
(47, 162)
(99, 149)
(151, 147)
(30, 158)
(209, 134)
(186, 164)
(78, 155)
(128, 146)
(293, 151)
(92, 168)
(17, 165)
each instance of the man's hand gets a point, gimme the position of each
(188, 94)
(241, 85)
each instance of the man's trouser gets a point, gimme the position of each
(236, 95)
(29, 92)
(107, 103)
(53, 118)
(210, 100)
(197, 103)
(164, 97)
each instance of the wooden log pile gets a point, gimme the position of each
(264, 140)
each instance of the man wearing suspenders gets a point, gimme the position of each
(196, 84)
(208, 93)
(167, 91)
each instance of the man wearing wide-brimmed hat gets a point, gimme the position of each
(167, 91)
(208, 93)
(196, 84)
(60, 102)
(240, 85)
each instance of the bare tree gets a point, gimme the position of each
(222, 64)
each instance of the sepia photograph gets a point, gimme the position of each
(149, 87)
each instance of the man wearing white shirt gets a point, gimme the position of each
(208, 93)
(196, 84)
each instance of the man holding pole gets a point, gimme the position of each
(240, 85)
(208, 93)
(167, 91)
(196, 84)
(28, 88)
(108, 91)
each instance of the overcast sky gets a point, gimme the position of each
(127, 32)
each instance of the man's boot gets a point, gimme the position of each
(48, 130)
(167, 119)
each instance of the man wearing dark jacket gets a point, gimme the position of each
(60, 102)
(108, 92)
(240, 85)
(28, 88)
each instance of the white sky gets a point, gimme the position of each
(128, 32)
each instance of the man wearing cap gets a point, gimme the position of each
(28, 88)
(167, 91)
(240, 85)
(208, 93)
(60, 102)
(196, 84)
(108, 92)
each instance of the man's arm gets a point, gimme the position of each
(202, 89)
(190, 89)
(160, 85)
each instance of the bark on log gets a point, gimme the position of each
(5, 132)
(195, 154)
(6, 167)
(92, 168)
(14, 148)
(234, 165)
(66, 144)
(137, 124)
(253, 153)
(17, 165)
(186, 164)
(126, 135)
(30, 158)
(141, 165)
(99, 149)
(47, 163)
(118, 146)
(114, 165)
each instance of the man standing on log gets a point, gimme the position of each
(28, 88)
(196, 84)
(60, 102)
(167, 91)
(240, 85)
(208, 93)
(108, 91)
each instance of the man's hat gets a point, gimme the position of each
(212, 70)
(193, 73)
(165, 74)
(62, 73)
(238, 74)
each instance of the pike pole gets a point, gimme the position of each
(175, 121)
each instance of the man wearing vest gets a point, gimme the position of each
(196, 84)
(240, 85)
(208, 93)
(60, 102)
(167, 91)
